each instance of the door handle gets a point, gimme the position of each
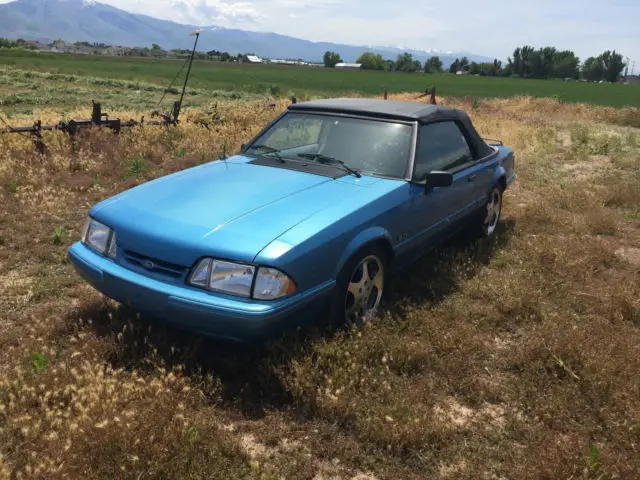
(471, 178)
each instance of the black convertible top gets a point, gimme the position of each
(398, 110)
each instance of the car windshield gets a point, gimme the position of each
(369, 146)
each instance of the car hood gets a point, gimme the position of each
(229, 209)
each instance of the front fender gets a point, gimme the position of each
(366, 237)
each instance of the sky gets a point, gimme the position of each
(488, 27)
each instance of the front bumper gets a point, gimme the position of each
(212, 314)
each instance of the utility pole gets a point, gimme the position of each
(626, 68)
(178, 105)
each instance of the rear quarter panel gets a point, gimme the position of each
(497, 169)
(506, 164)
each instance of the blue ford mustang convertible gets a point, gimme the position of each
(313, 213)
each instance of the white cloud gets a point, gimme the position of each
(198, 12)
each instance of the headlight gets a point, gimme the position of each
(238, 279)
(272, 284)
(232, 278)
(100, 237)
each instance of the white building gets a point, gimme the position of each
(348, 65)
(280, 61)
(254, 59)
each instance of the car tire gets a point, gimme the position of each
(489, 215)
(359, 288)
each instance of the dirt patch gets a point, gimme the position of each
(587, 169)
(630, 254)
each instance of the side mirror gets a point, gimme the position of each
(242, 147)
(438, 179)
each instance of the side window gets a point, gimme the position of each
(441, 146)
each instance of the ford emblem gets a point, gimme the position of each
(148, 264)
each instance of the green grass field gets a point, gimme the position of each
(305, 81)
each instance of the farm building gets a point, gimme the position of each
(348, 65)
(254, 59)
(286, 62)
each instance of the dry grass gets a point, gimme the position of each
(514, 358)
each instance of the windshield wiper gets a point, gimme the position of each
(269, 151)
(330, 160)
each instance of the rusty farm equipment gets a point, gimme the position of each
(101, 119)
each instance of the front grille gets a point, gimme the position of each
(154, 265)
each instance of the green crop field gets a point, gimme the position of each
(306, 81)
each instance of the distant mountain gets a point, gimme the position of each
(87, 20)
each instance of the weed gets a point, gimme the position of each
(605, 145)
(275, 91)
(580, 135)
(181, 152)
(13, 187)
(559, 98)
(191, 434)
(136, 167)
(594, 457)
(59, 235)
(99, 181)
(223, 152)
(476, 104)
(39, 362)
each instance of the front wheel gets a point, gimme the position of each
(360, 288)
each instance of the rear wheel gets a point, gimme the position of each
(487, 218)
(492, 211)
(360, 288)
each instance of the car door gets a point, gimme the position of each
(441, 147)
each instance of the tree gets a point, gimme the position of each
(613, 65)
(155, 46)
(460, 64)
(371, 61)
(607, 66)
(225, 57)
(331, 59)
(542, 62)
(433, 65)
(486, 69)
(455, 66)
(523, 61)
(389, 66)
(592, 69)
(546, 62)
(406, 63)
(565, 65)
(507, 71)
